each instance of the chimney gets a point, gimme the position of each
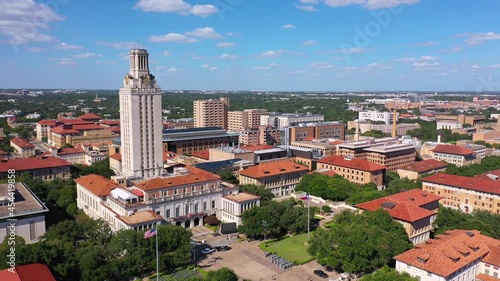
(394, 131)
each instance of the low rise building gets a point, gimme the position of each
(465, 255)
(230, 152)
(323, 130)
(466, 194)
(43, 168)
(23, 148)
(414, 170)
(284, 120)
(27, 272)
(281, 177)
(415, 209)
(454, 154)
(377, 116)
(319, 147)
(402, 129)
(23, 206)
(392, 156)
(186, 141)
(355, 170)
(448, 125)
(234, 204)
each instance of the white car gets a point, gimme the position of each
(207, 251)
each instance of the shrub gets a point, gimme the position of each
(212, 220)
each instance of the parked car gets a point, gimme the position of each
(222, 248)
(207, 251)
(216, 234)
(327, 267)
(320, 273)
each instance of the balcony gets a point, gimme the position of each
(181, 196)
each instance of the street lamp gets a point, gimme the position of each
(264, 225)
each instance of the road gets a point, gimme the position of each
(40, 146)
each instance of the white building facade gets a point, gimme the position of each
(377, 116)
(141, 120)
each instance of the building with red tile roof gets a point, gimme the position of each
(75, 134)
(90, 117)
(455, 154)
(326, 172)
(201, 155)
(22, 147)
(353, 169)
(467, 194)
(281, 177)
(44, 168)
(415, 209)
(414, 170)
(456, 255)
(27, 272)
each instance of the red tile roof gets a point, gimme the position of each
(73, 121)
(484, 277)
(48, 122)
(242, 197)
(202, 154)
(169, 155)
(479, 183)
(116, 156)
(424, 166)
(89, 116)
(406, 206)
(2, 152)
(452, 149)
(448, 253)
(22, 143)
(194, 176)
(404, 115)
(336, 142)
(110, 122)
(25, 164)
(272, 169)
(28, 272)
(257, 147)
(329, 173)
(99, 185)
(357, 164)
(61, 130)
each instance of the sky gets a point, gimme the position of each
(273, 45)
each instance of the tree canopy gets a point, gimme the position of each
(228, 177)
(264, 193)
(224, 273)
(488, 163)
(388, 274)
(359, 243)
(484, 221)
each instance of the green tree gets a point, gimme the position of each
(224, 273)
(229, 177)
(359, 243)
(484, 221)
(98, 168)
(388, 274)
(375, 134)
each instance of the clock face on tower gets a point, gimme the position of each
(145, 80)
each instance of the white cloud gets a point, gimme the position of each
(227, 57)
(271, 53)
(320, 64)
(425, 64)
(274, 65)
(288, 26)
(478, 38)
(121, 45)
(165, 53)
(428, 58)
(105, 62)
(65, 46)
(356, 50)
(373, 66)
(337, 58)
(172, 37)
(441, 74)
(426, 44)
(421, 59)
(204, 33)
(300, 71)
(406, 60)
(451, 50)
(35, 49)
(62, 61)
(226, 44)
(176, 6)
(477, 67)
(213, 68)
(85, 56)
(25, 21)
(260, 67)
(307, 8)
(312, 2)
(370, 4)
(310, 43)
(172, 69)
(205, 66)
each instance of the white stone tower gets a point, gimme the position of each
(141, 120)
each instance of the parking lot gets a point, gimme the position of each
(249, 262)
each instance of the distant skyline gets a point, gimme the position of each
(274, 45)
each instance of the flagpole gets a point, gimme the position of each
(308, 214)
(157, 261)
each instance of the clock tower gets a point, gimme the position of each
(141, 127)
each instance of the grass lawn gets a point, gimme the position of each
(290, 248)
(211, 227)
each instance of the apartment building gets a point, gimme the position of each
(415, 209)
(319, 131)
(187, 141)
(284, 120)
(234, 204)
(238, 121)
(481, 192)
(392, 156)
(457, 255)
(44, 168)
(281, 177)
(355, 170)
(454, 154)
(377, 116)
(211, 113)
(414, 170)
(23, 148)
(29, 213)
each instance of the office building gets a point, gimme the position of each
(414, 170)
(454, 154)
(23, 148)
(377, 116)
(141, 120)
(355, 170)
(210, 113)
(188, 141)
(318, 131)
(281, 121)
(43, 168)
(238, 121)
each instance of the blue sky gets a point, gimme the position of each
(312, 45)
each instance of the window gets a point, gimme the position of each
(167, 214)
(32, 231)
(177, 211)
(205, 206)
(213, 204)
